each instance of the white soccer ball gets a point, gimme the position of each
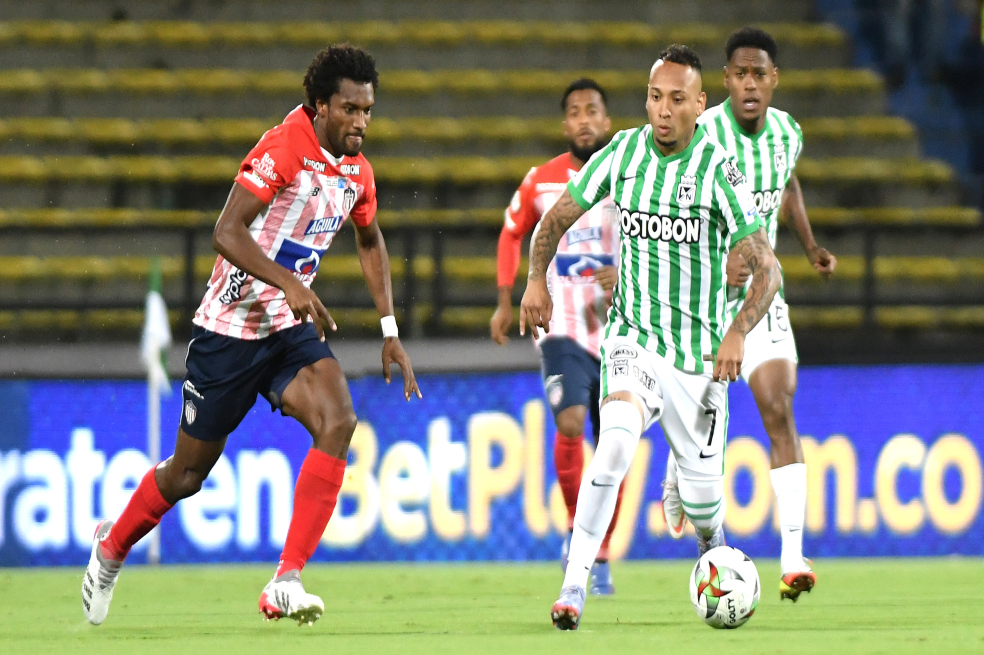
(724, 587)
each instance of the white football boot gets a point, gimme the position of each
(100, 579)
(284, 596)
(676, 518)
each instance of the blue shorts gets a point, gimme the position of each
(225, 374)
(571, 377)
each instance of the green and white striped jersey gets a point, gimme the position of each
(767, 160)
(679, 217)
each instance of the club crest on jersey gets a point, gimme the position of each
(584, 234)
(779, 157)
(296, 257)
(687, 191)
(319, 166)
(732, 174)
(583, 265)
(348, 199)
(323, 225)
(351, 169)
(620, 368)
(265, 166)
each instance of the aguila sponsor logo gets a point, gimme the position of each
(661, 228)
(323, 225)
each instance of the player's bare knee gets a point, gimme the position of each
(570, 422)
(334, 432)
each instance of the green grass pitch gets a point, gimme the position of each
(859, 606)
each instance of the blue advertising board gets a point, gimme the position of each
(893, 457)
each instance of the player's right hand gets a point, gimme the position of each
(536, 308)
(738, 270)
(727, 364)
(306, 305)
(501, 322)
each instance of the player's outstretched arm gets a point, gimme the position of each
(793, 211)
(537, 307)
(232, 240)
(375, 266)
(766, 278)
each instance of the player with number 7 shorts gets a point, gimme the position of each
(766, 143)
(666, 357)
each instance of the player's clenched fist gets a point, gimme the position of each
(536, 308)
(305, 303)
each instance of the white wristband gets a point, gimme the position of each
(388, 324)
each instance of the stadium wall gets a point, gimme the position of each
(894, 456)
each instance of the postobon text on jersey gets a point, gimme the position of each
(662, 228)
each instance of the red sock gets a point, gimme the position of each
(603, 551)
(569, 460)
(142, 514)
(314, 501)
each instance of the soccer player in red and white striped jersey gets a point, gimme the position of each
(260, 329)
(580, 278)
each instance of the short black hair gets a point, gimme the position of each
(583, 84)
(751, 37)
(681, 54)
(334, 64)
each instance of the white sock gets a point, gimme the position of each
(789, 483)
(703, 500)
(621, 427)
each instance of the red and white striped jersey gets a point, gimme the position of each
(310, 194)
(580, 304)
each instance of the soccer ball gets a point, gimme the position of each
(724, 587)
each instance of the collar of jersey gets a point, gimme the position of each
(698, 135)
(739, 128)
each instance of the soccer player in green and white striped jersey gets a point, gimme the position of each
(766, 143)
(666, 357)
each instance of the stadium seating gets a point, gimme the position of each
(109, 127)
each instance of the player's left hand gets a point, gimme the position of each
(393, 353)
(823, 261)
(606, 276)
(727, 365)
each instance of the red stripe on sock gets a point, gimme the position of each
(144, 511)
(315, 496)
(569, 460)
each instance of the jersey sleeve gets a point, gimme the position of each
(521, 216)
(365, 207)
(797, 133)
(270, 166)
(592, 183)
(734, 201)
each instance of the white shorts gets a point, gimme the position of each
(691, 408)
(771, 338)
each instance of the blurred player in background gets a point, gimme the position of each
(766, 143)
(581, 278)
(665, 356)
(261, 330)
